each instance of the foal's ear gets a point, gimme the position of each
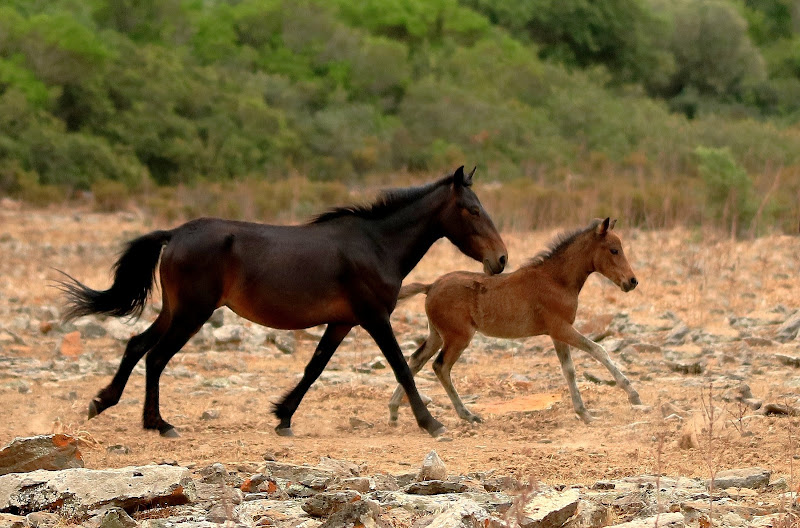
(603, 227)
(612, 224)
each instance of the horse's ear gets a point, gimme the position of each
(468, 177)
(602, 228)
(458, 176)
(612, 224)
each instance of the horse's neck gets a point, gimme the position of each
(408, 234)
(570, 267)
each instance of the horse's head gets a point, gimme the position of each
(609, 260)
(467, 225)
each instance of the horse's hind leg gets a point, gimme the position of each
(564, 357)
(572, 337)
(444, 363)
(284, 410)
(417, 360)
(183, 326)
(137, 347)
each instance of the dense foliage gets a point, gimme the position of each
(124, 95)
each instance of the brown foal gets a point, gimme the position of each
(539, 298)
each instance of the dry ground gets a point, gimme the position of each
(700, 277)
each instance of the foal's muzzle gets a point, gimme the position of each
(629, 284)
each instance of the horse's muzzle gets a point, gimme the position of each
(630, 284)
(493, 267)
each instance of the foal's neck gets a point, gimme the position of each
(571, 266)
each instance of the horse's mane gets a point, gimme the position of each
(559, 243)
(387, 202)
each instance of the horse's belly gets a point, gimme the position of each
(293, 314)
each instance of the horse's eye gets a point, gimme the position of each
(614, 251)
(474, 211)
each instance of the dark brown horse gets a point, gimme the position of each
(344, 268)
(539, 298)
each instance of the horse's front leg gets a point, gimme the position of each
(381, 331)
(572, 337)
(568, 368)
(284, 410)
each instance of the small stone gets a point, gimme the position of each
(71, 345)
(210, 414)
(686, 367)
(116, 518)
(118, 449)
(435, 487)
(433, 468)
(792, 361)
(357, 423)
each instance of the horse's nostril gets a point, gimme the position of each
(634, 282)
(503, 261)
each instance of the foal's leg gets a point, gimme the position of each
(331, 339)
(381, 331)
(415, 363)
(182, 328)
(137, 347)
(569, 335)
(564, 357)
(444, 363)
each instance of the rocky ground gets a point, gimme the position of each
(709, 339)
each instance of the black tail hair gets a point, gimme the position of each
(134, 274)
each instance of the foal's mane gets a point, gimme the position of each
(559, 243)
(387, 202)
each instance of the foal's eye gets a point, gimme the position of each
(614, 251)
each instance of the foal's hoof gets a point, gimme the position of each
(284, 431)
(170, 433)
(93, 411)
(473, 418)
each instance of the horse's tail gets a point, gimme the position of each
(134, 274)
(413, 289)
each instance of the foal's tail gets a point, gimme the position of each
(134, 274)
(413, 289)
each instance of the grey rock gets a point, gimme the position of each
(435, 487)
(217, 319)
(677, 335)
(310, 476)
(363, 513)
(789, 329)
(432, 468)
(112, 517)
(686, 367)
(753, 477)
(550, 509)
(665, 520)
(89, 327)
(360, 484)
(329, 502)
(52, 452)
(8, 520)
(75, 492)
(42, 520)
(229, 334)
(210, 414)
(465, 514)
(792, 361)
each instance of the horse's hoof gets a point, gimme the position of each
(393, 423)
(284, 431)
(586, 417)
(170, 433)
(438, 432)
(92, 410)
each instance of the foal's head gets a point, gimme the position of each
(608, 258)
(467, 225)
